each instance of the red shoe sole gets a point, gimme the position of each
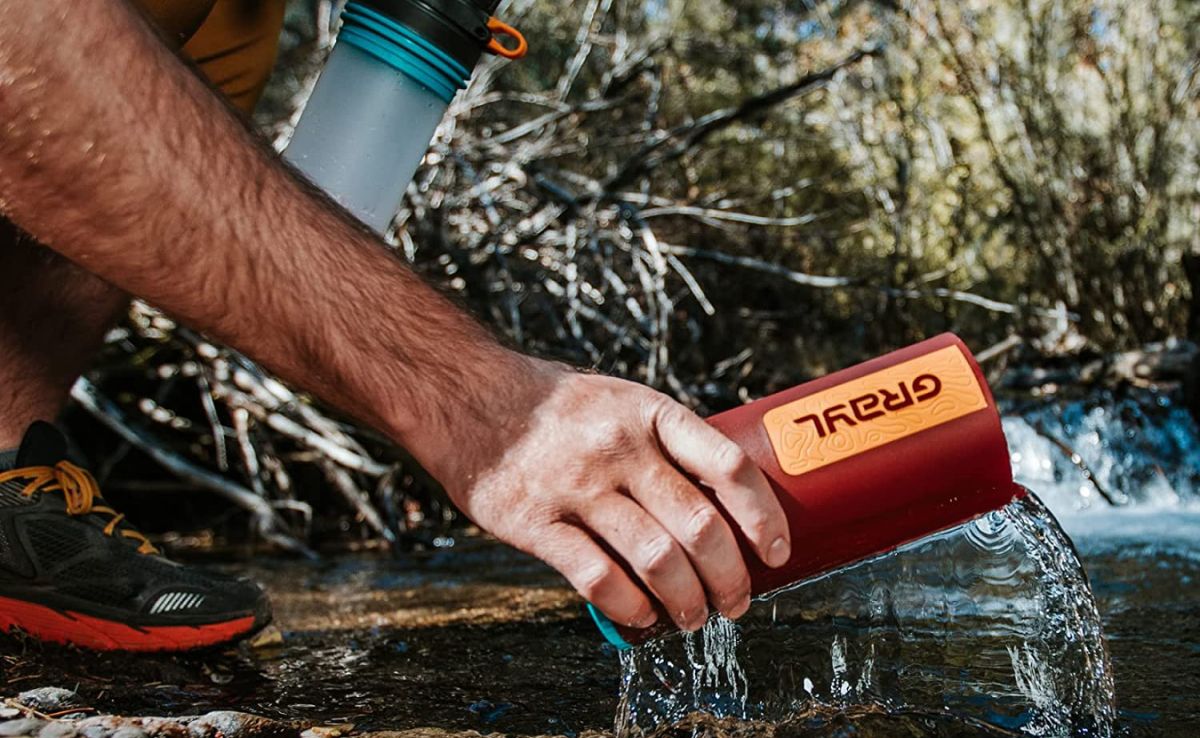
(58, 626)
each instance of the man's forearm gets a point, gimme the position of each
(119, 158)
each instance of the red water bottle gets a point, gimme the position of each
(867, 459)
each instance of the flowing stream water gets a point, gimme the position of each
(984, 630)
(992, 621)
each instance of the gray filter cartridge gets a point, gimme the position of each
(394, 70)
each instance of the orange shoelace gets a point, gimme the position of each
(80, 489)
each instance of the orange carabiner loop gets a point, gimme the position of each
(500, 28)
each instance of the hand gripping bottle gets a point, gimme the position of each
(395, 68)
(868, 459)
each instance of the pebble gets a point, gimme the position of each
(268, 637)
(128, 732)
(327, 731)
(27, 726)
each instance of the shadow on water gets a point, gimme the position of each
(481, 638)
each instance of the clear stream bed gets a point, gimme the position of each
(982, 631)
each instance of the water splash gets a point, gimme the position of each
(709, 677)
(1138, 448)
(991, 621)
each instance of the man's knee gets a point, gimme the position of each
(233, 42)
(178, 19)
(236, 46)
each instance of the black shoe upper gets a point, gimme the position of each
(85, 562)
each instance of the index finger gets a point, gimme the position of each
(720, 464)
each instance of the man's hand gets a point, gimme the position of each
(601, 484)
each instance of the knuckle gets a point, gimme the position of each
(596, 580)
(660, 407)
(535, 514)
(703, 527)
(612, 438)
(760, 528)
(659, 556)
(730, 461)
(589, 495)
(663, 413)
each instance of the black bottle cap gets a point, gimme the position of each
(457, 27)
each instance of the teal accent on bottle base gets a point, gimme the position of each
(403, 49)
(608, 629)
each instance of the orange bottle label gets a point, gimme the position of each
(873, 410)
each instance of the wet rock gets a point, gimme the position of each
(24, 726)
(212, 725)
(221, 724)
(110, 726)
(58, 730)
(49, 699)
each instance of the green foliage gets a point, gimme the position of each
(1042, 154)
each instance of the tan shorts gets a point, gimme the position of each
(234, 42)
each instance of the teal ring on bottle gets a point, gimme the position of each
(608, 629)
(404, 50)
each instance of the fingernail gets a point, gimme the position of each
(646, 620)
(739, 609)
(779, 552)
(695, 622)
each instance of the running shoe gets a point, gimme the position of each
(73, 570)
